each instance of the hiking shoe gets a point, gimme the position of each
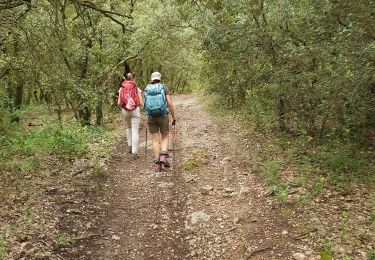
(135, 156)
(129, 149)
(157, 165)
(164, 160)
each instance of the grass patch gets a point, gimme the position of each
(371, 254)
(64, 240)
(4, 234)
(372, 217)
(34, 148)
(196, 160)
(286, 212)
(3, 248)
(326, 250)
(271, 171)
(31, 147)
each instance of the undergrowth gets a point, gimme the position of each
(307, 169)
(22, 153)
(331, 162)
(36, 156)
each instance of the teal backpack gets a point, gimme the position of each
(155, 100)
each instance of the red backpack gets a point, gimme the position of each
(129, 99)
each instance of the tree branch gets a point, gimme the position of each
(98, 9)
(107, 13)
(110, 73)
(9, 4)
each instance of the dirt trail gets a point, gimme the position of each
(212, 207)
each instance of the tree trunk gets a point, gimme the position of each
(84, 111)
(18, 98)
(99, 112)
(84, 114)
(126, 68)
(281, 113)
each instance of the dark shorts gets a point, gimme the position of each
(158, 124)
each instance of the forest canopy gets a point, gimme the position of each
(303, 67)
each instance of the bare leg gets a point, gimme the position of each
(155, 145)
(164, 142)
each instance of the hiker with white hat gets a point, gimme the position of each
(159, 106)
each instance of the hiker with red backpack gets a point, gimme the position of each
(130, 100)
(158, 105)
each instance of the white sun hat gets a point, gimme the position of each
(155, 76)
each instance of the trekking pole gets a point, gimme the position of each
(174, 148)
(146, 141)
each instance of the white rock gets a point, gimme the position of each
(165, 184)
(114, 237)
(226, 159)
(229, 190)
(244, 191)
(199, 216)
(208, 187)
(206, 190)
(299, 256)
(284, 232)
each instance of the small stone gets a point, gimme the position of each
(284, 232)
(226, 159)
(362, 253)
(206, 190)
(229, 195)
(199, 216)
(299, 256)
(73, 211)
(244, 191)
(114, 237)
(229, 190)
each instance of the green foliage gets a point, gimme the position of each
(317, 185)
(372, 217)
(286, 212)
(4, 234)
(196, 160)
(272, 178)
(32, 149)
(65, 143)
(64, 240)
(3, 249)
(371, 254)
(326, 250)
(290, 64)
